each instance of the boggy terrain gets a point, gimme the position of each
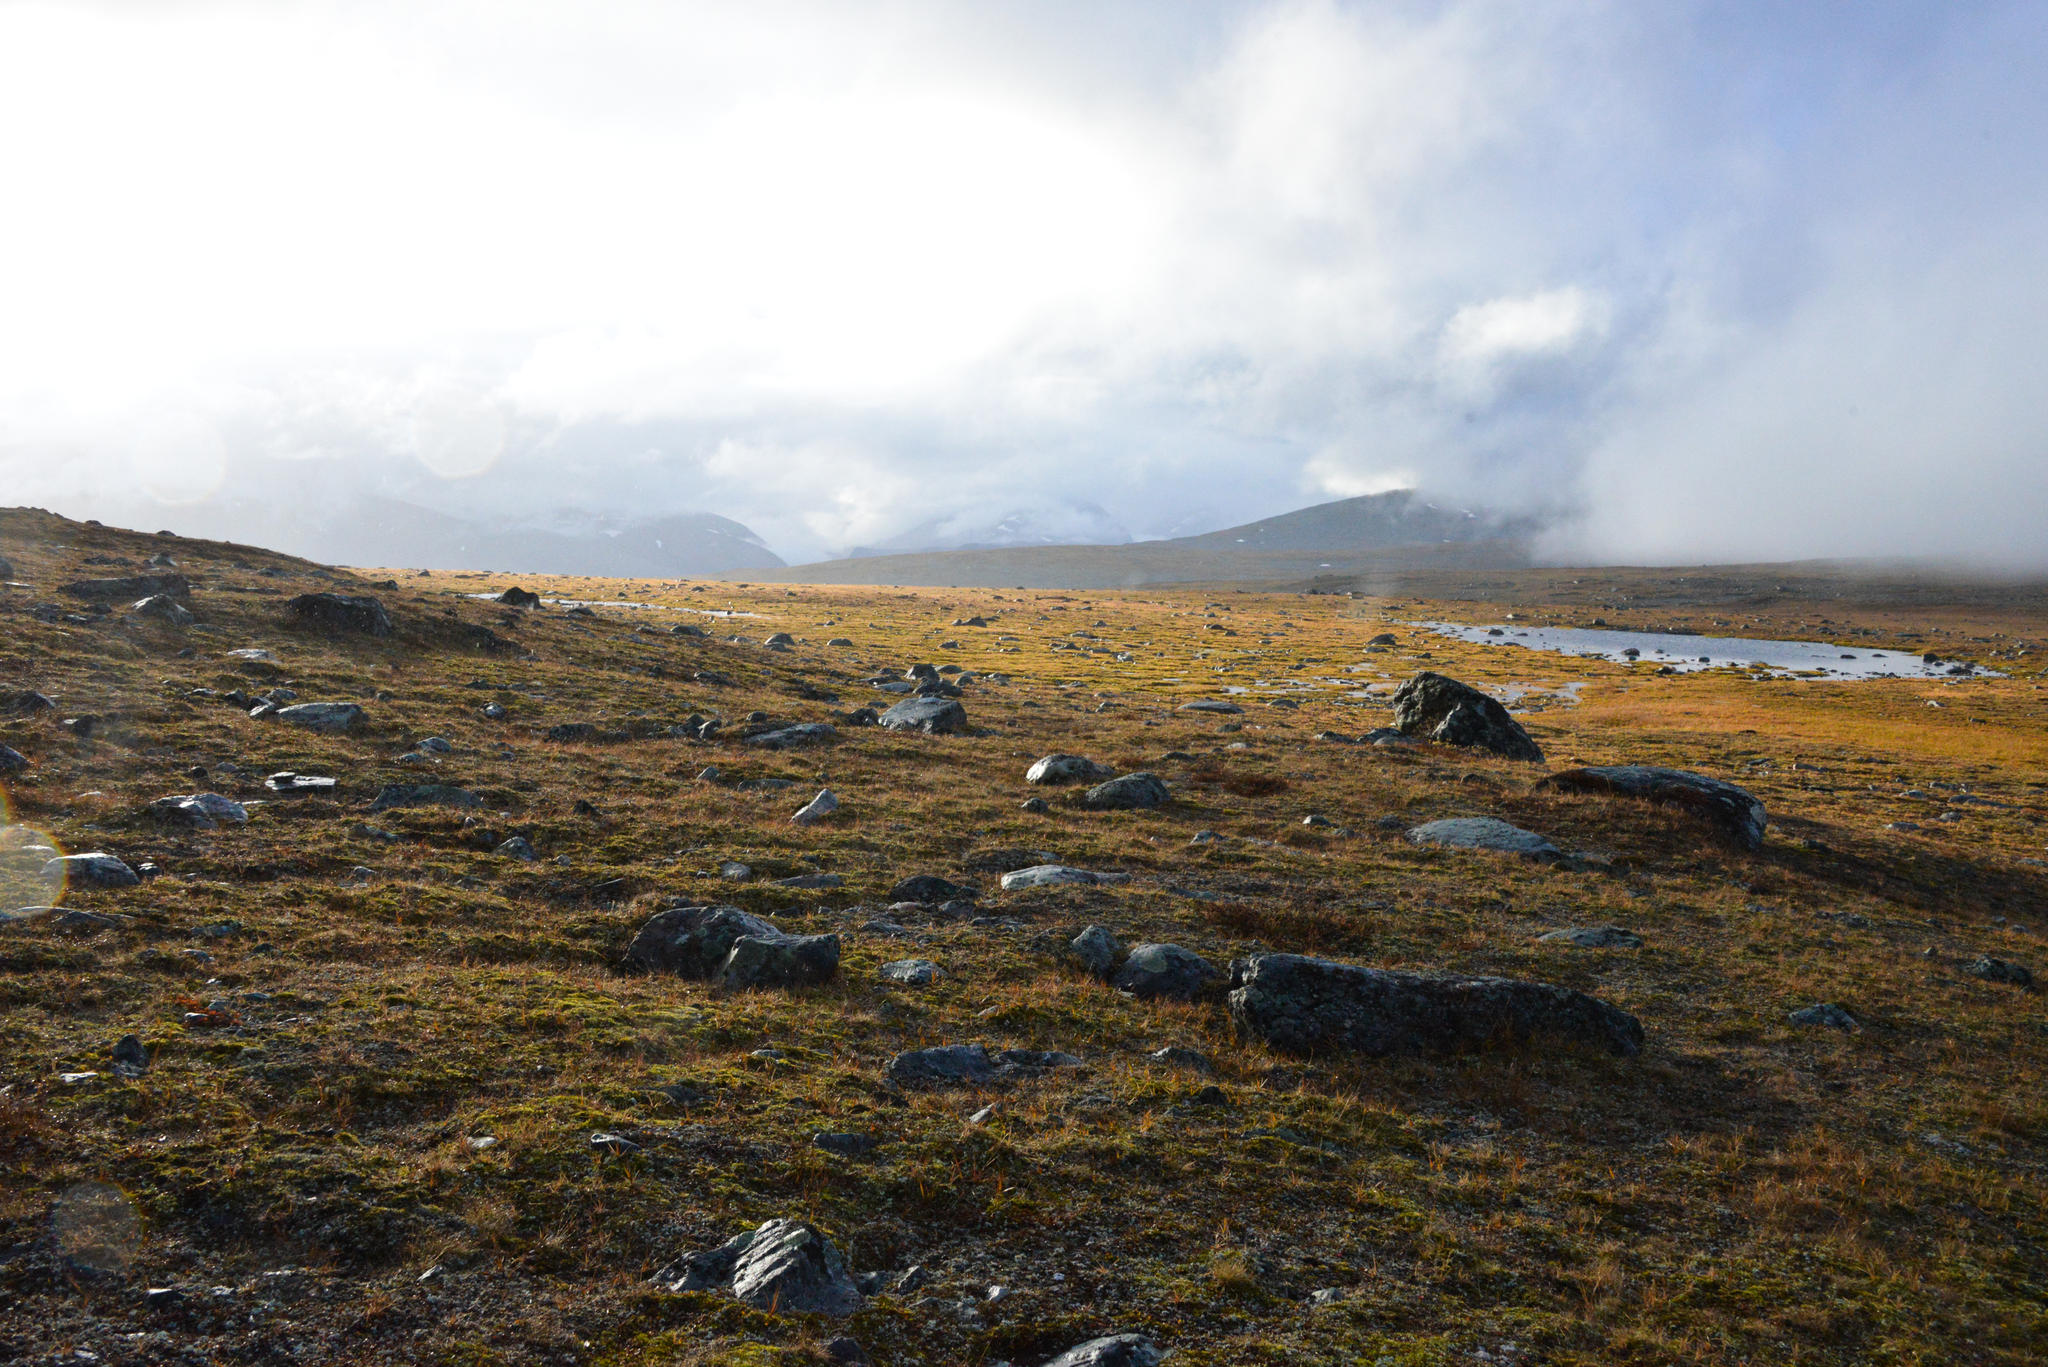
(396, 1091)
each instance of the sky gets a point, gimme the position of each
(1705, 281)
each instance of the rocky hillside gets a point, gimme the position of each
(778, 975)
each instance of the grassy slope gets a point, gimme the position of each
(1745, 1192)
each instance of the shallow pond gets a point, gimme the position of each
(1685, 654)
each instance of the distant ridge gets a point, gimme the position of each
(1400, 530)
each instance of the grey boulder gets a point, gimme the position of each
(741, 950)
(1098, 950)
(161, 607)
(198, 812)
(911, 972)
(331, 717)
(1302, 1005)
(932, 716)
(1730, 809)
(1132, 792)
(780, 960)
(1059, 769)
(1051, 875)
(1487, 833)
(1437, 708)
(1165, 971)
(1824, 1013)
(785, 1266)
(92, 870)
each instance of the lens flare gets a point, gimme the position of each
(29, 877)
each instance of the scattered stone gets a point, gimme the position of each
(1484, 833)
(1099, 951)
(817, 809)
(495, 711)
(932, 716)
(330, 717)
(1437, 708)
(1721, 804)
(1824, 1013)
(1594, 937)
(1303, 1005)
(1048, 875)
(423, 795)
(2001, 971)
(911, 972)
(1164, 970)
(792, 737)
(92, 870)
(336, 612)
(518, 847)
(1132, 792)
(1060, 769)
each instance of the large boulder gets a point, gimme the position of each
(331, 717)
(94, 869)
(693, 941)
(1301, 1005)
(1437, 708)
(1165, 971)
(785, 1266)
(1132, 792)
(129, 588)
(1057, 769)
(1487, 833)
(1729, 809)
(337, 612)
(932, 716)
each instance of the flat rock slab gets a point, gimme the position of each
(1594, 937)
(339, 612)
(1301, 1005)
(423, 795)
(1058, 769)
(1435, 707)
(331, 717)
(1731, 810)
(1487, 833)
(932, 716)
(289, 784)
(1052, 875)
(1132, 792)
(795, 737)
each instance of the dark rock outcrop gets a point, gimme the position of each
(1165, 971)
(1301, 1005)
(932, 716)
(926, 887)
(735, 947)
(128, 588)
(1437, 708)
(1730, 809)
(336, 612)
(785, 1266)
(516, 597)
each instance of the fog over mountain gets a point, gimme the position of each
(1687, 281)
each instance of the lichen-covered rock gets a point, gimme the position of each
(1435, 707)
(1301, 1005)
(337, 612)
(932, 716)
(1132, 792)
(1058, 769)
(1730, 809)
(1165, 971)
(1487, 833)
